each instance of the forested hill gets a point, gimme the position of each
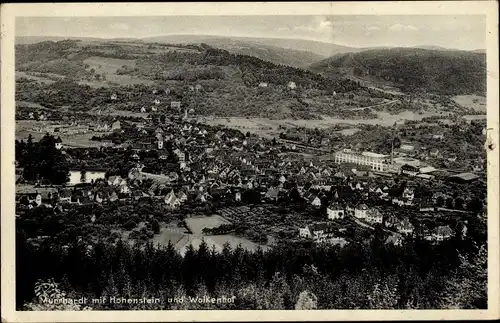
(229, 84)
(413, 69)
(167, 62)
(268, 52)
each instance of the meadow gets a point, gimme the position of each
(478, 103)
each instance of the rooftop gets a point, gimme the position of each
(373, 155)
(427, 169)
(465, 176)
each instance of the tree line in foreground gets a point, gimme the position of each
(416, 275)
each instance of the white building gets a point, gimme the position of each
(334, 212)
(58, 143)
(375, 161)
(360, 211)
(316, 202)
(374, 216)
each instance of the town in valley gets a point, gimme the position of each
(227, 168)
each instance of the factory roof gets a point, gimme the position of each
(373, 155)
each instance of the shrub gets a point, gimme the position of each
(155, 227)
(130, 224)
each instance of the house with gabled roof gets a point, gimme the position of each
(405, 227)
(441, 233)
(373, 215)
(335, 211)
(171, 200)
(395, 239)
(391, 221)
(360, 211)
(322, 233)
(316, 201)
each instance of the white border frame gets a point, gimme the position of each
(10, 11)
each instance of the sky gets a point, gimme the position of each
(466, 32)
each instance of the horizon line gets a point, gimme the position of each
(256, 37)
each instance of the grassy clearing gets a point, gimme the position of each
(478, 103)
(108, 66)
(265, 126)
(167, 235)
(196, 225)
(20, 74)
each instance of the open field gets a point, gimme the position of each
(348, 131)
(108, 67)
(478, 103)
(268, 127)
(196, 225)
(167, 235)
(20, 74)
(121, 113)
(29, 104)
(24, 129)
(474, 117)
(74, 141)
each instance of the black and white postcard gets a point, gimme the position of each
(249, 161)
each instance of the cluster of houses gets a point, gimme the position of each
(213, 161)
(328, 232)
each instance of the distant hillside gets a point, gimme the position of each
(259, 48)
(411, 69)
(83, 75)
(316, 47)
(27, 40)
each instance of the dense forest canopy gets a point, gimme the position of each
(412, 69)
